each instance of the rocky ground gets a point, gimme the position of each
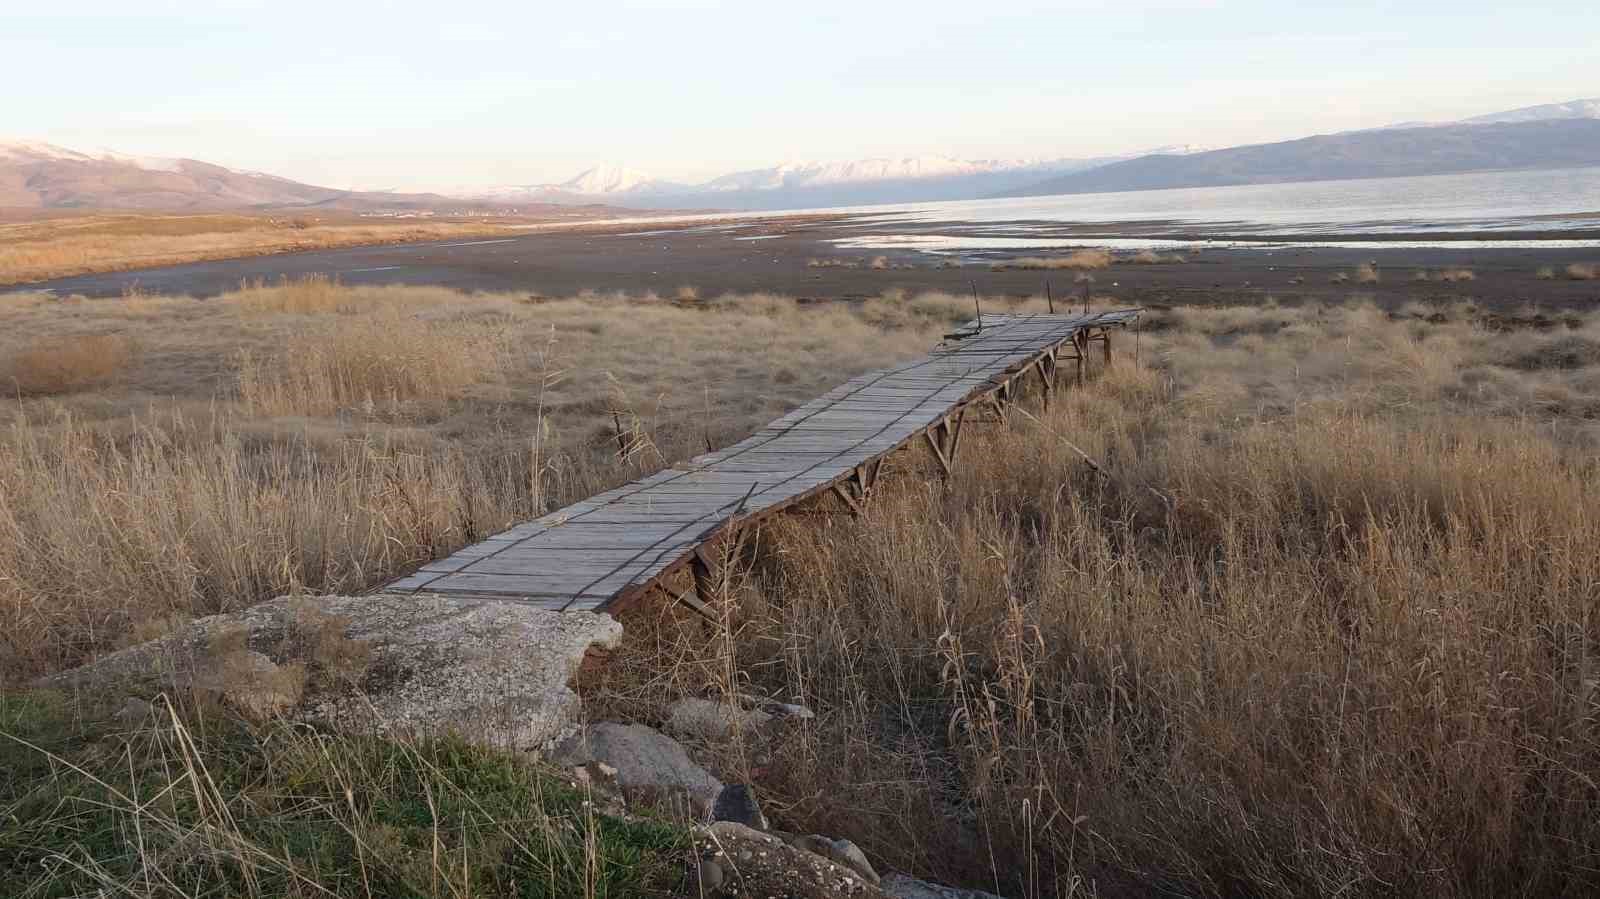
(496, 674)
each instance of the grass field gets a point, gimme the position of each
(58, 246)
(1323, 621)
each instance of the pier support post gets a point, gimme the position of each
(1046, 367)
(854, 490)
(944, 439)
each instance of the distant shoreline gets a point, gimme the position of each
(797, 256)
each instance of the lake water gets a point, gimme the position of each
(1540, 204)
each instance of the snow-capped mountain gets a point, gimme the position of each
(1545, 112)
(1575, 109)
(606, 178)
(796, 184)
(808, 174)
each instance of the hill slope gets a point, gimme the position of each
(1433, 150)
(36, 175)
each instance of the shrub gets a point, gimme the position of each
(380, 364)
(67, 364)
(1077, 260)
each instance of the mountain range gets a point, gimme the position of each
(1547, 136)
(796, 185)
(36, 175)
(1385, 153)
(40, 175)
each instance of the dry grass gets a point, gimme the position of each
(1150, 257)
(1323, 622)
(383, 365)
(1583, 271)
(66, 365)
(74, 245)
(325, 437)
(1080, 260)
(1545, 273)
(1324, 625)
(1447, 275)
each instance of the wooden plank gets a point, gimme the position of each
(580, 557)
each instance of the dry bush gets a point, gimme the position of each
(66, 365)
(1076, 260)
(1366, 273)
(109, 539)
(1545, 273)
(1447, 275)
(833, 262)
(307, 295)
(1150, 257)
(1339, 278)
(383, 364)
(879, 263)
(1324, 624)
(1583, 271)
(1191, 696)
(405, 424)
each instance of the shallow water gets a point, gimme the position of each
(1541, 205)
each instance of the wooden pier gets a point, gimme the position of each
(611, 550)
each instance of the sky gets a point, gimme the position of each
(429, 95)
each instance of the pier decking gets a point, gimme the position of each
(612, 549)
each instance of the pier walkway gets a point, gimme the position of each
(613, 549)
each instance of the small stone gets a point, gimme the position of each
(850, 855)
(646, 762)
(711, 874)
(703, 719)
(812, 843)
(788, 710)
(724, 831)
(737, 802)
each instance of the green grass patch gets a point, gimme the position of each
(211, 807)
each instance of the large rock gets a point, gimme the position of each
(649, 764)
(493, 672)
(902, 887)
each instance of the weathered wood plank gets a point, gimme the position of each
(582, 556)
